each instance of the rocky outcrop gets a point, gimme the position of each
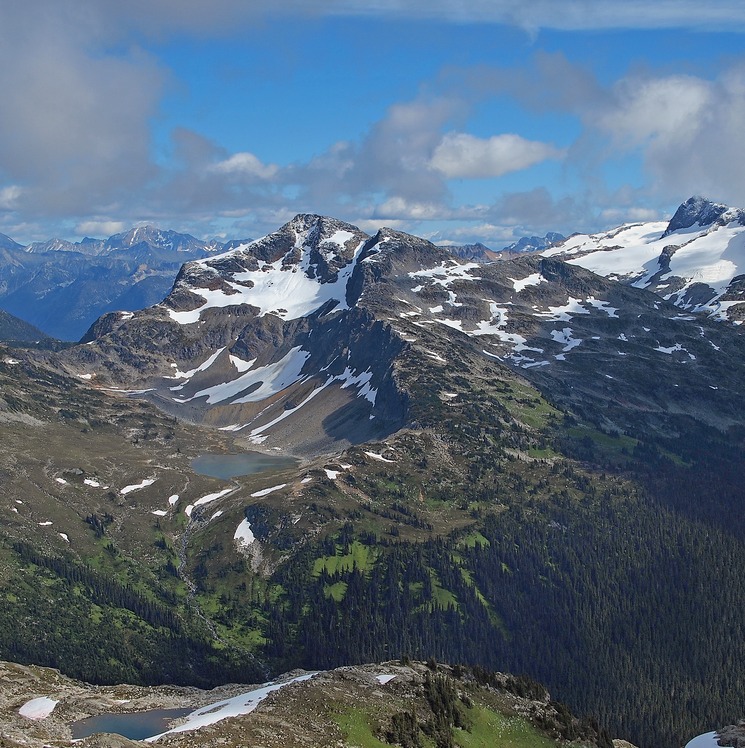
(732, 736)
(699, 211)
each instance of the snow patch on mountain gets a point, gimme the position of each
(202, 367)
(243, 534)
(288, 289)
(268, 380)
(532, 280)
(208, 499)
(220, 710)
(446, 273)
(565, 338)
(137, 486)
(565, 312)
(267, 491)
(38, 709)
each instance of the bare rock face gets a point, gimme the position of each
(732, 736)
(702, 212)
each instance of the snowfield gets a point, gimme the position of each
(712, 255)
(289, 291)
(38, 709)
(245, 703)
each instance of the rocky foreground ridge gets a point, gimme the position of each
(397, 703)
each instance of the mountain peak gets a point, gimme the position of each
(7, 243)
(701, 211)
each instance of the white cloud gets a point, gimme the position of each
(76, 133)
(245, 164)
(400, 208)
(687, 129)
(670, 108)
(617, 216)
(460, 155)
(9, 197)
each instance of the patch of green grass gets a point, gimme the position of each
(677, 460)
(255, 638)
(493, 617)
(526, 406)
(360, 556)
(96, 613)
(493, 730)
(606, 442)
(474, 539)
(355, 726)
(441, 597)
(542, 454)
(335, 591)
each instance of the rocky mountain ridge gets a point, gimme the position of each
(15, 330)
(313, 318)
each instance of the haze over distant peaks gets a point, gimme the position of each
(62, 287)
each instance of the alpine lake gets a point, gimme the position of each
(228, 466)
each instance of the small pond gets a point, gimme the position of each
(232, 465)
(135, 726)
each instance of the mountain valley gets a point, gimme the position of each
(520, 465)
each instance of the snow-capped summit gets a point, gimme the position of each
(700, 211)
(291, 272)
(696, 260)
(153, 237)
(534, 243)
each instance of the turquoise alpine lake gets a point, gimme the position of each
(245, 463)
(135, 726)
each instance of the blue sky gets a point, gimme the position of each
(458, 121)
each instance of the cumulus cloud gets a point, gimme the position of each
(76, 130)
(245, 164)
(398, 208)
(631, 214)
(684, 129)
(687, 129)
(662, 109)
(460, 155)
(10, 196)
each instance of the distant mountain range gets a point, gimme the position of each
(63, 287)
